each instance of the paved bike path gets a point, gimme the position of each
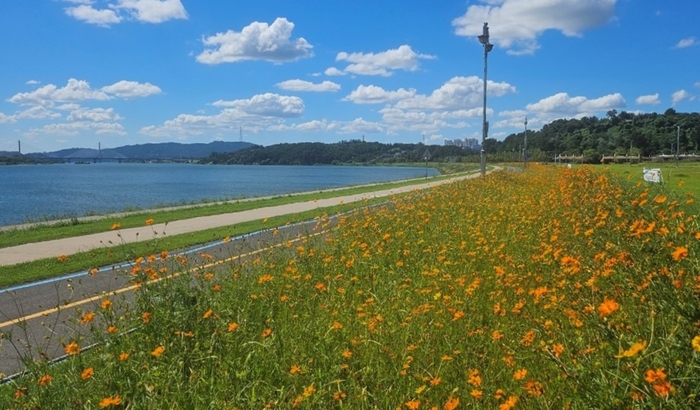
(68, 246)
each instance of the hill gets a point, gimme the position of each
(166, 150)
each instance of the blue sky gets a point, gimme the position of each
(121, 72)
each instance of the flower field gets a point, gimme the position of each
(552, 288)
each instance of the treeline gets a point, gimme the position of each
(617, 134)
(344, 152)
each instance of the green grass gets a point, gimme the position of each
(544, 289)
(689, 173)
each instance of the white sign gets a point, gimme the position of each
(653, 175)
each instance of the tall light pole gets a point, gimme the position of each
(678, 141)
(484, 40)
(525, 143)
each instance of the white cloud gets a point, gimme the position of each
(457, 93)
(516, 24)
(131, 89)
(7, 119)
(88, 14)
(310, 126)
(398, 119)
(33, 82)
(267, 105)
(697, 84)
(687, 42)
(651, 99)
(371, 94)
(384, 63)
(360, 126)
(80, 90)
(332, 71)
(252, 114)
(257, 41)
(152, 11)
(146, 11)
(74, 90)
(301, 85)
(75, 128)
(94, 114)
(563, 104)
(37, 112)
(681, 95)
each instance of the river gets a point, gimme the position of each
(46, 192)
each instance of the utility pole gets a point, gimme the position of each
(19, 147)
(678, 142)
(525, 143)
(240, 134)
(484, 40)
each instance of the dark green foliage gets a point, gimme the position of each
(344, 152)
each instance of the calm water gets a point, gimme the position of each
(38, 192)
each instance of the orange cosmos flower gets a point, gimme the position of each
(44, 380)
(337, 325)
(347, 354)
(696, 343)
(123, 356)
(110, 401)
(207, 314)
(87, 373)
(607, 307)
(266, 333)
(435, 381)
(150, 221)
(509, 404)
(72, 348)
(295, 369)
(680, 253)
(477, 394)
(106, 304)
(87, 318)
(633, 350)
(94, 271)
(558, 349)
(660, 199)
(520, 374)
(62, 258)
(146, 317)
(116, 226)
(309, 390)
(112, 329)
(413, 404)
(158, 351)
(232, 327)
(452, 403)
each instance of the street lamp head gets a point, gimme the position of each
(484, 37)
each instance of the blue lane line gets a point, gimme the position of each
(128, 264)
(187, 252)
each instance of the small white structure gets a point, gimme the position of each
(653, 175)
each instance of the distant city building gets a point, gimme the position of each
(470, 143)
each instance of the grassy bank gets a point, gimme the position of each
(551, 288)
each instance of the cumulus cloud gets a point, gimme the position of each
(90, 15)
(37, 112)
(131, 89)
(94, 114)
(267, 105)
(146, 11)
(651, 99)
(80, 90)
(301, 85)
(457, 93)
(253, 114)
(383, 64)
(152, 11)
(687, 42)
(257, 41)
(7, 119)
(79, 127)
(360, 126)
(33, 82)
(517, 24)
(562, 104)
(332, 71)
(681, 95)
(371, 94)
(74, 90)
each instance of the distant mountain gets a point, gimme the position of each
(165, 150)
